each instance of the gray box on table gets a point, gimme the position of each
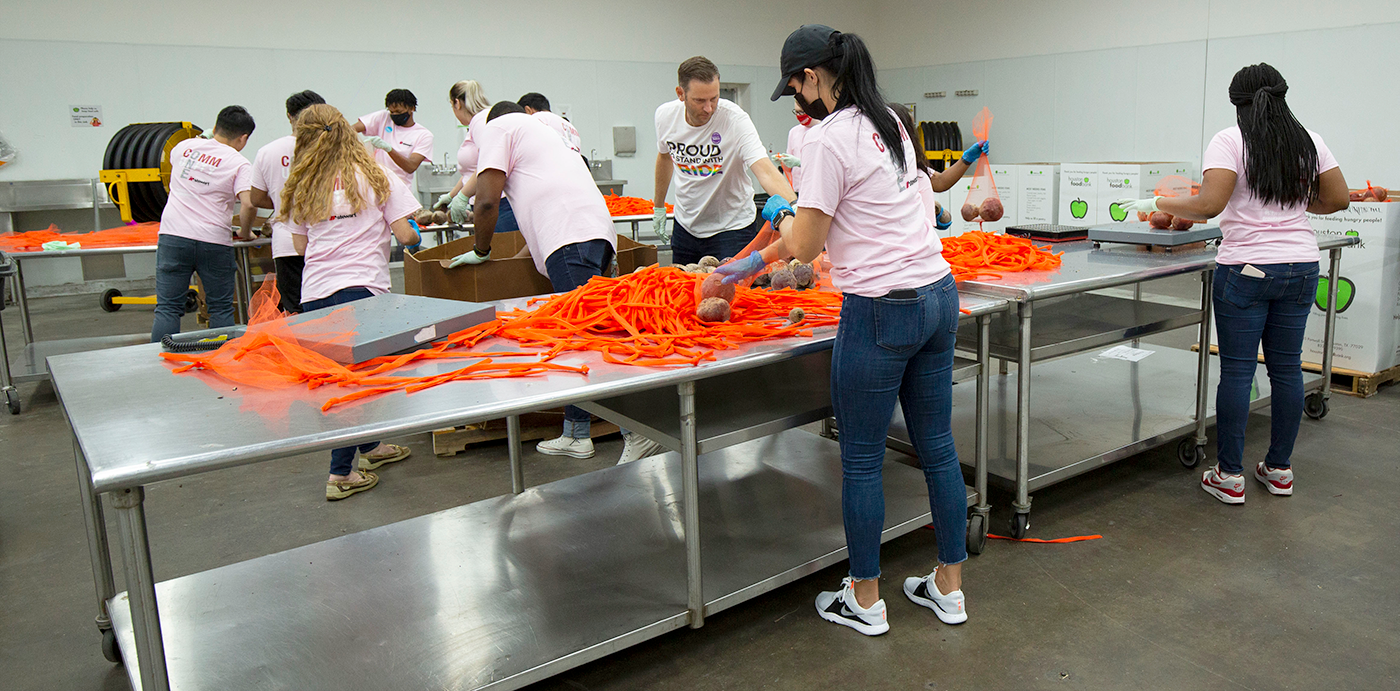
(384, 324)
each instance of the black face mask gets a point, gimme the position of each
(401, 119)
(816, 109)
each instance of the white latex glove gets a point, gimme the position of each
(658, 225)
(1145, 206)
(443, 200)
(378, 143)
(786, 160)
(469, 258)
(459, 207)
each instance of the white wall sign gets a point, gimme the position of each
(85, 116)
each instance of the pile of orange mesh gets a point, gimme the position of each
(138, 235)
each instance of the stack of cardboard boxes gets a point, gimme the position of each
(1088, 190)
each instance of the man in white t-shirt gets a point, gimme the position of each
(402, 144)
(270, 168)
(537, 106)
(711, 144)
(196, 226)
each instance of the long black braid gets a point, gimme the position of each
(856, 85)
(1280, 158)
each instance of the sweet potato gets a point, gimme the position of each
(441, 217)
(713, 310)
(804, 275)
(969, 212)
(762, 280)
(1160, 220)
(713, 287)
(1179, 223)
(783, 278)
(708, 261)
(991, 209)
(796, 315)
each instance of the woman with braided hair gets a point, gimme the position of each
(1261, 178)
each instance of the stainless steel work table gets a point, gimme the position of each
(497, 594)
(29, 364)
(1096, 411)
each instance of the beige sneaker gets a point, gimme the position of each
(566, 446)
(340, 489)
(635, 447)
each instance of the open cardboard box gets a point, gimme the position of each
(500, 278)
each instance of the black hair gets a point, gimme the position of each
(402, 97)
(906, 119)
(299, 101)
(534, 100)
(234, 122)
(504, 108)
(1280, 157)
(856, 86)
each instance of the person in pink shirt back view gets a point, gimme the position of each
(1261, 178)
(196, 226)
(341, 207)
(537, 107)
(270, 169)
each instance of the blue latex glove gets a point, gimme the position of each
(742, 268)
(982, 148)
(1146, 206)
(459, 207)
(658, 224)
(468, 259)
(774, 205)
(944, 220)
(417, 245)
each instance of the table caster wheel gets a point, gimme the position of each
(107, 297)
(12, 401)
(110, 649)
(1315, 406)
(1020, 523)
(1189, 453)
(976, 533)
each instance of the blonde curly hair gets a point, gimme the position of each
(328, 153)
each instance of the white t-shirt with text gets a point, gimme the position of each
(713, 192)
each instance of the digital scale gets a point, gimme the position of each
(1141, 233)
(1047, 232)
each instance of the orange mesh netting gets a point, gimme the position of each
(821, 266)
(138, 235)
(976, 254)
(646, 318)
(632, 206)
(983, 186)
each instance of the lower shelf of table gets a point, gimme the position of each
(1077, 323)
(1087, 412)
(504, 592)
(30, 365)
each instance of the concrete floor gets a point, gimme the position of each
(1182, 592)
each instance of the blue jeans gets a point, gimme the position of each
(688, 249)
(569, 267)
(343, 459)
(888, 349)
(505, 218)
(177, 260)
(1272, 310)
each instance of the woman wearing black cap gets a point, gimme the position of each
(899, 319)
(1261, 178)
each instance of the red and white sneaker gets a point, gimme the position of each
(1226, 488)
(1277, 480)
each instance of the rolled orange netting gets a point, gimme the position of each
(631, 206)
(976, 254)
(137, 235)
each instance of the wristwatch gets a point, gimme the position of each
(782, 214)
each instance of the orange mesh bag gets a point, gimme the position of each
(983, 204)
(138, 235)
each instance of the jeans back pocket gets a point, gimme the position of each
(1244, 291)
(899, 323)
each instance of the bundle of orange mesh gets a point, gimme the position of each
(632, 206)
(138, 235)
(976, 254)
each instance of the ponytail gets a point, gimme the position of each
(1280, 157)
(856, 86)
(906, 119)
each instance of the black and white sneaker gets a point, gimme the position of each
(841, 608)
(949, 608)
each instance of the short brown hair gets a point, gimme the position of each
(697, 68)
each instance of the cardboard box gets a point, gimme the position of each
(1079, 184)
(1091, 188)
(1037, 193)
(1367, 337)
(500, 278)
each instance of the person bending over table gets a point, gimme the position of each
(341, 206)
(899, 318)
(566, 227)
(1261, 177)
(704, 139)
(470, 107)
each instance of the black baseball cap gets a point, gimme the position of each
(809, 46)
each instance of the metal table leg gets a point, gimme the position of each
(98, 550)
(245, 283)
(984, 377)
(690, 483)
(141, 588)
(1203, 367)
(1020, 521)
(22, 301)
(517, 471)
(1334, 272)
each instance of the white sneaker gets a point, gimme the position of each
(841, 608)
(1277, 480)
(1226, 488)
(950, 608)
(566, 446)
(635, 447)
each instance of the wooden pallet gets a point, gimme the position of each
(1350, 382)
(533, 427)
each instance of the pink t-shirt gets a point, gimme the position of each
(469, 152)
(796, 136)
(270, 168)
(352, 249)
(881, 238)
(555, 198)
(406, 140)
(930, 200)
(206, 178)
(563, 128)
(1254, 232)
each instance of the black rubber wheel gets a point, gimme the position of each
(976, 533)
(12, 401)
(110, 649)
(1315, 406)
(107, 297)
(1020, 523)
(191, 301)
(1189, 453)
